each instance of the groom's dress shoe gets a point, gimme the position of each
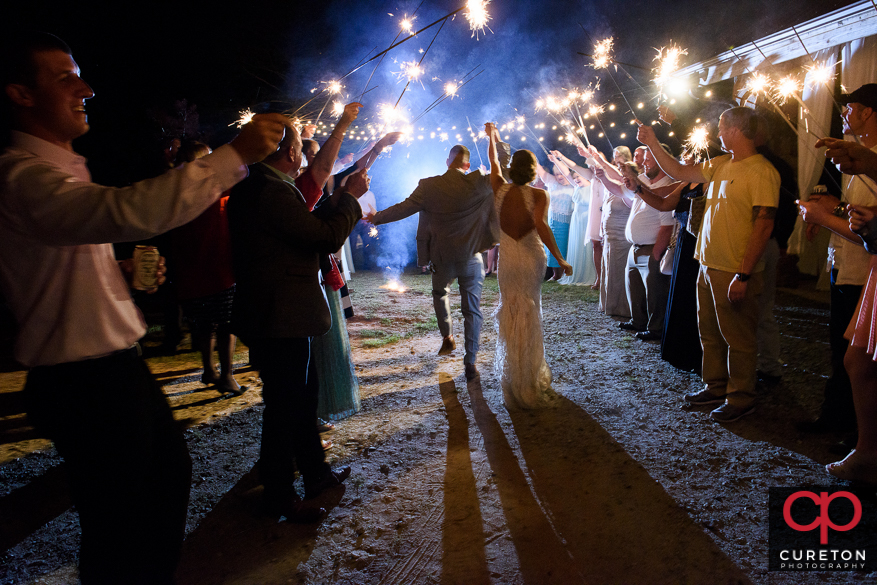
(471, 371)
(448, 345)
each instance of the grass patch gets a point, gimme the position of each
(373, 333)
(430, 325)
(381, 341)
(623, 343)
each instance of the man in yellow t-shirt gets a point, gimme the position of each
(742, 198)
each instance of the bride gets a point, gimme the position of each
(523, 221)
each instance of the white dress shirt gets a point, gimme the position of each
(58, 272)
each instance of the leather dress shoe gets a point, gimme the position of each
(471, 371)
(448, 345)
(629, 326)
(330, 480)
(648, 336)
(293, 509)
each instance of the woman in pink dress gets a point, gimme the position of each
(860, 362)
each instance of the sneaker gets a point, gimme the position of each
(727, 413)
(703, 397)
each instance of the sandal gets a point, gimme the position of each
(324, 426)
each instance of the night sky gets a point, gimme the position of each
(269, 55)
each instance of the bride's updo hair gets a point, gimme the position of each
(522, 171)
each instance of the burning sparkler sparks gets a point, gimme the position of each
(820, 74)
(337, 109)
(697, 144)
(758, 84)
(451, 88)
(476, 14)
(407, 24)
(603, 54)
(595, 110)
(785, 88)
(373, 232)
(411, 70)
(245, 117)
(668, 63)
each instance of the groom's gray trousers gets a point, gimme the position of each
(470, 276)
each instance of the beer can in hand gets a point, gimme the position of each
(145, 268)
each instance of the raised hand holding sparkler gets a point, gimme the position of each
(646, 135)
(850, 158)
(666, 115)
(356, 184)
(261, 137)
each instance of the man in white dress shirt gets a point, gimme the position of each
(87, 388)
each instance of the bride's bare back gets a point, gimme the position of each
(515, 219)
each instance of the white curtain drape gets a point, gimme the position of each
(858, 67)
(815, 117)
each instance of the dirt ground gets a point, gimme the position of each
(618, 484)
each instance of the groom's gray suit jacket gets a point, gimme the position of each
(457, 216)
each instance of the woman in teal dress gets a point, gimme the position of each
(339, 388)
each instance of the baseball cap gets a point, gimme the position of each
(865, 95)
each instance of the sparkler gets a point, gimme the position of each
(697, 144)
(595, 111)
(785, 88)
(758, 84)
(668, 63)
(820, 74)
(762, 87)
(245, 117)
(475, 140)
(476, 14)
(602, 54)
(410, 70)
(445, 95)
(396, 43)
(407, 24)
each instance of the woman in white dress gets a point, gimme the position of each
(579, 252)
(523, 221)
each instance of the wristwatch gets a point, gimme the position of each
(742, 276)
(841, 210)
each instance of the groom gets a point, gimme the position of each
(457, 222)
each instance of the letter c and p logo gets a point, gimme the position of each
(823, 522)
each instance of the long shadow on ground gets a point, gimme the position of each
(593, 515)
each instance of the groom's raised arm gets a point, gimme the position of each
(413, 204)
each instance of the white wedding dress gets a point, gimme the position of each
(520, 353)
